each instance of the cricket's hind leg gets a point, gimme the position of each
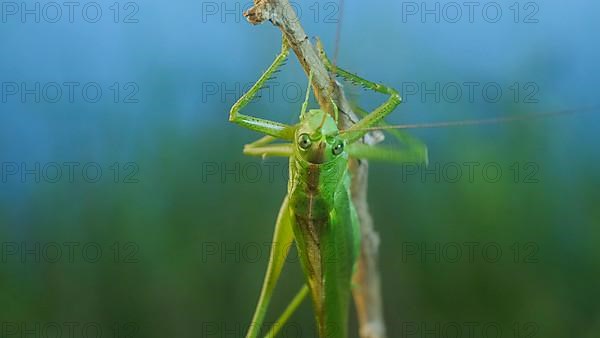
(283, 238)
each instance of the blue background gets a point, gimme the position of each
(185, 63)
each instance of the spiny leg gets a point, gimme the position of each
(355, 132)
(282, 240)
(264, 126)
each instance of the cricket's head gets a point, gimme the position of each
(317, 138)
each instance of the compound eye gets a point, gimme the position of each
(304, 141)
(338, 148)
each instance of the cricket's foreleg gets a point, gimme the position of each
(263, 147)
(264, 126)
(283, 238)
(376, 115)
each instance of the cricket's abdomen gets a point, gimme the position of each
(325, 228)
(310, 210)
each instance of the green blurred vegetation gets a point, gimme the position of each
(176, 214)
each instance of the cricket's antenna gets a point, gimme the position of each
(338, 33)
(322, 122)
(308, 89)
(494, 120)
